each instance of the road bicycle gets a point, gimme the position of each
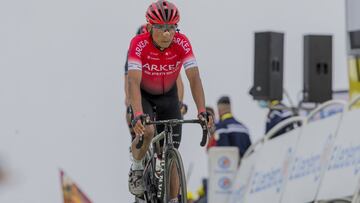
(163, 166)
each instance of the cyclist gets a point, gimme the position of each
(179, 83)
(154, 63)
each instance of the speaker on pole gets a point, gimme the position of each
(268, 66)
(317, 68)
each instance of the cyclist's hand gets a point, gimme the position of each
(138, 124)
(183, 108)
(207, 118)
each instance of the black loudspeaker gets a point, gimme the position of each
(268, 66)
(317, 68)
(354, 37)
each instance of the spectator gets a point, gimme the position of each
(277, 113)
(230, 132)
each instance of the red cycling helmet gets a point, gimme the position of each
(162, 12)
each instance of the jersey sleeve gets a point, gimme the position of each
(134, 55)
(188, 60)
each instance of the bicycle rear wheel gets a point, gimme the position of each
(174, 177)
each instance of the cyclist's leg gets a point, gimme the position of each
(138, 154)
(136, 184)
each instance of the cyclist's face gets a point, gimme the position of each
(163, 34)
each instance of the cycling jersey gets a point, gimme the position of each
(160, 69)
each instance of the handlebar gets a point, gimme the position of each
(174, 122)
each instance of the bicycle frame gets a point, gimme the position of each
(150, 178)
(154, 186)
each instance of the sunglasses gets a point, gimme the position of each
(165, 27)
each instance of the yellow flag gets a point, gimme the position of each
(71, 192)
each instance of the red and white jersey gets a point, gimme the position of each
(160, 69)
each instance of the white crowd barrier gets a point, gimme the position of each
(312, 154)
(243, 175)
(344, 163)
(356, 196)
(318, 161)
(269, 173)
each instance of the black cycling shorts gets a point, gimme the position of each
(163, 107)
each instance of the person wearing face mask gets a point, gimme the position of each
(277, 113)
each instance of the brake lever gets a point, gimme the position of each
(205, 133)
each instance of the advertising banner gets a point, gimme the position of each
(343, 170)
(223, 164)
(242, 178)
(310, 158)
(271, 169)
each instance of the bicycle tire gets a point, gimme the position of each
(172, 156)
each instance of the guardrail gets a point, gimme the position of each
(272, 132)
(336, 143)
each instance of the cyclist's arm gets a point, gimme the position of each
(126, 86)
(126, 89)
(134, 80)
(180, 88)
(197, 90)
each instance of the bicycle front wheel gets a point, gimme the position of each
(174, 177)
